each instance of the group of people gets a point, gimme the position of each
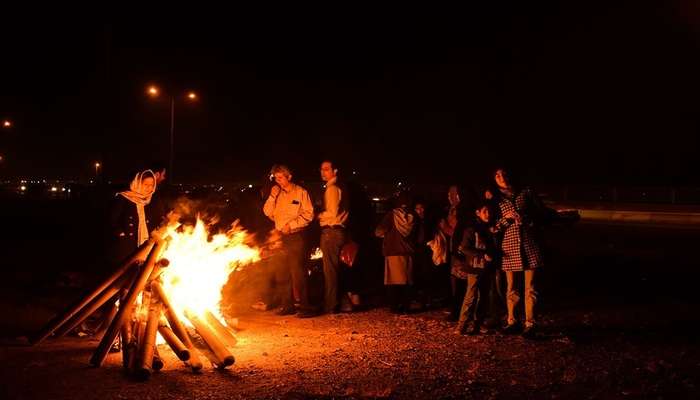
(481, 244)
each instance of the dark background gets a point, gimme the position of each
(567, 92)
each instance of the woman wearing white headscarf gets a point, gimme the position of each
(130, 220)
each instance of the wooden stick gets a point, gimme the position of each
(146, 348)
(50, 328)
(108, 294)
(157, 360)
(220, 330)
(177, 326)
(223, 356)
(100, 353)
(174, 342)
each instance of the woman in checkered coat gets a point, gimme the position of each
(518, 211)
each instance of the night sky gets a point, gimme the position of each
(567, 92)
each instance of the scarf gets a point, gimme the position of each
(403, 221)
(137, 195)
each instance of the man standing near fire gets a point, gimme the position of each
(333, 221)
(289, 207)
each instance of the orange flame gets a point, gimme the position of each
(200, 267)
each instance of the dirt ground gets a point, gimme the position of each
(375, 354)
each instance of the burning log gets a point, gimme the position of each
(50, 328)
(157, 362)
(108, 294)
(126, 330)
(136, 344)
(162, 263)
(127, 341)
(109, 317)
(221, 331)
(101, 352)
(177, 327)
(222, 355)
(174, 342)
(148, 343)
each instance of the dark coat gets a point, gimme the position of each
(123, 227)
(475, 242)
(394, 243)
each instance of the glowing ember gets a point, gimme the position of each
(317, 254)
(200, 267)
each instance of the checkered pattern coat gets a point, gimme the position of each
(519, 249)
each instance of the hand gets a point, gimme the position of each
(275, 191)
(488, 258)
(286, 229)
(514, 216)
(172, 217)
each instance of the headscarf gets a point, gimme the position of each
(137, 195)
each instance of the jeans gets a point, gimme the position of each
(513, 297)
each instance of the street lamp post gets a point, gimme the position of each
(153, 91)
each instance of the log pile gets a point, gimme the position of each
(137, 308)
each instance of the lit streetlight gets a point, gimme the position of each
(154, 91)
(97, 169)
(7, 123)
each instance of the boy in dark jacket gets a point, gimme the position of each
(475, 253)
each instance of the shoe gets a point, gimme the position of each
(398, 310)
(308, 313)
(288, 310)
(511, 329)
(416, 306)
(530, 332)
(484, 330)
(471, 329)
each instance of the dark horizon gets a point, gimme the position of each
(567, 93)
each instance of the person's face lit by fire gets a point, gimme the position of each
(327, 171)
(502, 179)
(420, 210)
(453, 195)
(283, 179)
(148, 185)
(483, 214)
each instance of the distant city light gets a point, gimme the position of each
(192, 96)
(250, 186)
(23, 188)
(54, 189)
(153, 91)
(6, 124)
(375, 198)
